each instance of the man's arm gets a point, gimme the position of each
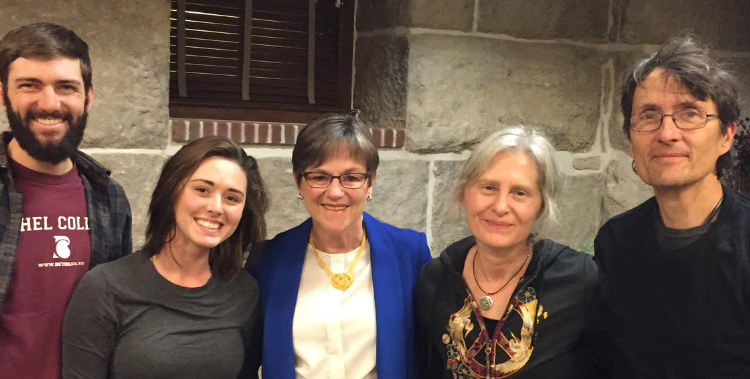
(121, 211)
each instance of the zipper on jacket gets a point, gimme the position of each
(490, 360)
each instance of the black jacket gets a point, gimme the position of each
(556, 287)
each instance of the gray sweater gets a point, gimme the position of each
(127, 321)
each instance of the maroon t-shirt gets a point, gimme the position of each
(53, 253)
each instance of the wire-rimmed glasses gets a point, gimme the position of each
(686, 119)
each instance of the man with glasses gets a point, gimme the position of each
(674, 295)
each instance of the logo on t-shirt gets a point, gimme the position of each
(61, 247)
(33, 224)
(51, 230)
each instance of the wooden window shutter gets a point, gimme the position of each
(283, 73)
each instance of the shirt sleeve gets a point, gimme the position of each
(89, 329)
(427, 357)
(424, 250)
(122, 207)
(252, 337)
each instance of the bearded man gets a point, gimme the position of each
(60, 213)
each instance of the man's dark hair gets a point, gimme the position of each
(44, 41)
(690, 62)
(225, 259)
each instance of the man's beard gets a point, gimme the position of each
(50, 152)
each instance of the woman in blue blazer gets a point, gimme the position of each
(337, 289)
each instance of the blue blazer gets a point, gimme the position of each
(396, 256)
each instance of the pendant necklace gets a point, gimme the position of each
(485, 303)
(340, 280)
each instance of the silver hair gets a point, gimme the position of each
(514, 138)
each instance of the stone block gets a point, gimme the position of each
(286, 210)
(461, 89)
(448, 224)
(129, 48)
(380, 89)
(579, 202)
(381, 14)
(587, 163)
(623, 61)
(722, 24)
(581, 20)
(623, 189)
(442, 14)
(399, 195)
(138, 174)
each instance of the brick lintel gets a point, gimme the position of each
(264, 133)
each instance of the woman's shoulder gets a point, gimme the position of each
(443, 270)
(433, 268)
(410, 244)
(563, 261)
(120, 268)
(374, 225)
(560, 251)
(451, 258)
(242, 291)
(243, 282)
(300, 232)
(107, 279)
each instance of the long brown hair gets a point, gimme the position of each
(226, 258)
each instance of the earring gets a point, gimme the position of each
(299, 196)
(369, 197)
(632, 165)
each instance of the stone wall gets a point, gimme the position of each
(129, 118)
(449, 72)
(474, 66)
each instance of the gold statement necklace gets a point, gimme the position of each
(340, 280)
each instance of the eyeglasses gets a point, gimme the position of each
(323, 180)
(685, 119)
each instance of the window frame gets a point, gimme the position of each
(254, 110)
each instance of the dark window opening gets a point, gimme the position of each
(229, 62)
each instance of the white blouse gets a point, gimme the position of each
(334, 331)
